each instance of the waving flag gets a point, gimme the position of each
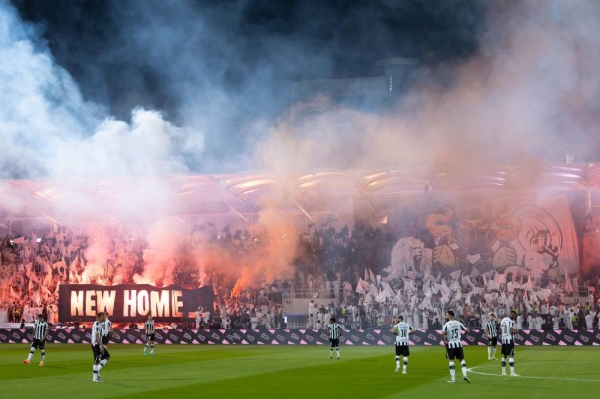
(500, 278)
(360, 288)
(492, 285)
(568, 285)
(528, 286)
(467, 281)
(489, 274)
(372, 276)
(387, 290)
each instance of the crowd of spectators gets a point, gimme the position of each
(344, 269)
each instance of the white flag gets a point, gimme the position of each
(373, 278)
(360, 287)
(489, 274)
(456, 286)
(398, 298)
(467, 282)
(568, 285)
(500, 278)
(387, 290)
(408, 284)
(528, 286)
(427, 291)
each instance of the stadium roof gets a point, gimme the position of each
(243, 194)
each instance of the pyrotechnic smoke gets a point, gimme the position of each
(164, 240)
(276, 250)
(530, 90)
(527, 95)
(47, 129)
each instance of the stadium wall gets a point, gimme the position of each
(300, 337)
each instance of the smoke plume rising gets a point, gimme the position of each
(205, 88)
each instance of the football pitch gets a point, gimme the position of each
(190, 371)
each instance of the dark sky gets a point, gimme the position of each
(178, 56)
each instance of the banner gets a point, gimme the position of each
(300, 337)
(492, 244)
(528, 236)
(131, 302)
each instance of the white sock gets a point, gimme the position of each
(452, 371)
(398, 361)
(511, 361)
(30, 356)
(503, 365)
(489, 351)
(331, 352)
(405, 364)
(463, 367)
(338, 352)
(494, 355)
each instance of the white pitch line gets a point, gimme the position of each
(530, 377)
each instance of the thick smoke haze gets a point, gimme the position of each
(500, 82)
(142, 91)
(48, 129)
(527, 96)
(225, 68)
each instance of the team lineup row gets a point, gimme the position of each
(451, 335)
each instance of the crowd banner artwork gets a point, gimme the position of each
(131, 302)
(484, 234)
(299, 337)
(512, 241)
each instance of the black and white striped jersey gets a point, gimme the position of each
(491, 329)
(506, 325)
(39, 329)
(96, 332)
(453, 330)
(403, 332)
(106, 325)
(149, 326)
(334, 330)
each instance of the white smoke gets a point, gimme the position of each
(526, 96)
(529, 92)
(108, 172)
(48, 129)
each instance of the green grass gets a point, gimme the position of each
(179, 371)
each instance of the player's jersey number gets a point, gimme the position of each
(454, 333)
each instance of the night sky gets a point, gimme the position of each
(351, 34)
(160, 54)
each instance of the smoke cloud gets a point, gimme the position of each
(526, 97)
(185, 86)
